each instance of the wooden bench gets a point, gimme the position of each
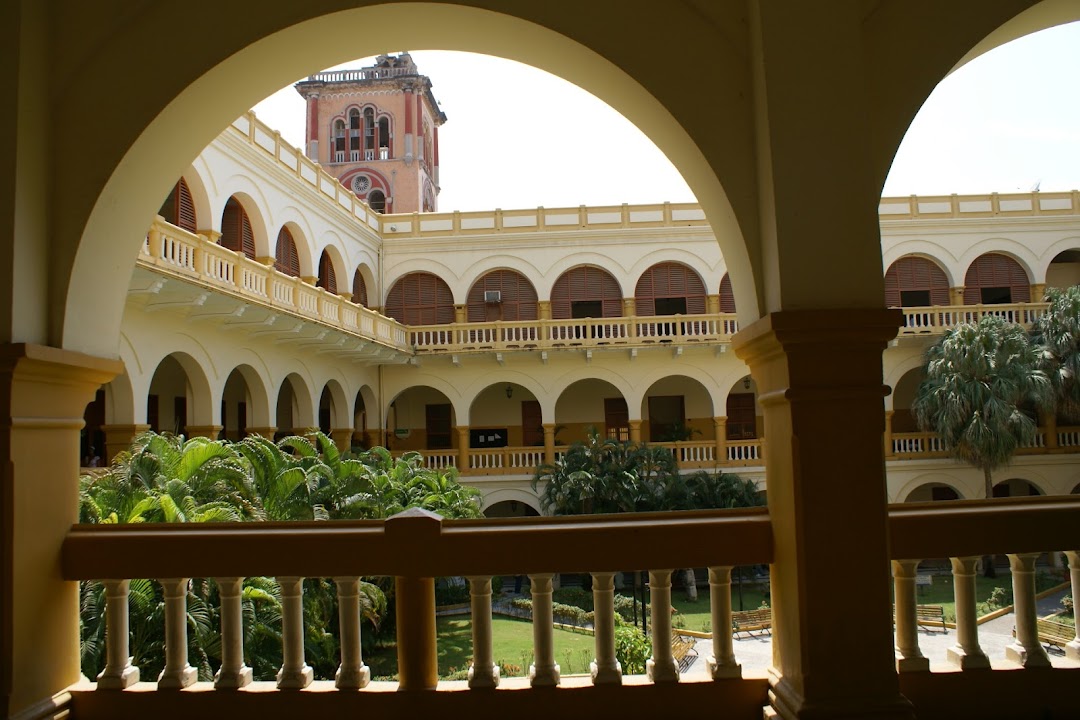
(750, 620)
(928, 615)
(1054, 633)
(682, 649)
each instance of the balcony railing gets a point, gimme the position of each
(941, 318)
(415, 547)
(924, 445)
(174, 251)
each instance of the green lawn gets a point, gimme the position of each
(512, 643)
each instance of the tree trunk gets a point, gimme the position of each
(988, 561)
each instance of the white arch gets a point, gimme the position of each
(546, 283)
(926, 250)
(252, 198)
(1000, 246)
(257, 388)
(1071, 242)
(506, 494)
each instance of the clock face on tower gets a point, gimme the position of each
(361, 184)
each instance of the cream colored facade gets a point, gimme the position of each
(782, 117)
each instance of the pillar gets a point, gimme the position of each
(461, 314)
(1072, 648)
(721, 663)
(712, 304)
(206, 431)
(43, 395)
(119, 438)
(1026, 650)
(966, 653)
(374, 438)
(720, 435)
(956, 295)
(119, 673)
(1049, 423)
(549, 443)
(909, 657)
(605, 669)
(543, 310)
(888, 433)
(266, 432)
(661, 667)
(342, 437)
(295, 673)
(1038, 292)
(805, 395)
(233, 673)
(635, 430)
(463, 448)
(544, 672)
(483, 673)
(352, 674)
(177, 673)
(417, 651)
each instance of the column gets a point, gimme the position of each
(408, 125)
(712, 304)
(1038, 292)
(119, 438)
(342, 438)
(418, 666)
(661, 667)
(176, 674)
(295, 674)
(43, 395)
(888, 433)
(722, 662)
(966, 653)
(206, 431)
(635, 430)
(605, 669)
(461, 314)
(909, 657)
(720, 436)
(233, 673)
(119, 673)
(1072, 648)
(352, 674)
(544, 672)
(1049, 423)
(463, 448)
(805, 396)
(374, 438)
(483, 673)
(956, 295)
(266, 432)
(549, 443)
(1026, 650)
(543, 310)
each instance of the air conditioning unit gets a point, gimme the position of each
(493, 296)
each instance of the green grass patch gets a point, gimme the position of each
(512, 648)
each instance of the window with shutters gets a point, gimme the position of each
(354, 135)
(420, 298)
(995, 279)
(179, 208)
(286, 260)
(670, 288)
(517, 298)
(585, 291)
(914, 281)
(327, 278)
(727, 297)
(236, 231)
(359, 289)
(616, 419)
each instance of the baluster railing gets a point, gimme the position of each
(661, 667)
(967, 654)
(295, 673)
(177, 673)
(909, 657)
(483, 673)
(605, 668)
(233, 673)
(352, 674)
(721, 663)
(119, 673)
(543, 672)
(1027, 650)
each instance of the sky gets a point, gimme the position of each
(1009, 121)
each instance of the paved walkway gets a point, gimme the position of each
(755, 652)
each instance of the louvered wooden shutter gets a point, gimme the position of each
(669, 280)
(327, 279)
(996, 270)
(915, 273)
(286, 258)
(518, 301)
(584, 284)
(236, 233)
(727, 297)
(420, 299)
(185, 207)
(359, 289)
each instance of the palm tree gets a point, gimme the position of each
(1056, 336)
(978, 378)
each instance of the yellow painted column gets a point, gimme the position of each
(119, 437)
(549, 443)
(720, 430)
(1049, 425)
(266, 432)
(966, 654)
(888, 445)
(635, 430)
(206, 431)
(1026, 649)
(956, 295)
(342, 438)
(805, 395)
(712, 304)
(909, 657)
(43, 395)
(1038, 292)
(543, 310)
(461, 314)
(415, 531)
(463, 448)
(721, 663)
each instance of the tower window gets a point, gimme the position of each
(377, 200)
(339, 141)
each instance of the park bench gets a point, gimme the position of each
(1054, 633)
(682, 649)
(750, 620)
(928, 615)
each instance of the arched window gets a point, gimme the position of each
(995, 279)
(502, 295)
(359, 289)
(327, 279)
(915, 282)
(421, 298)
(727, 297)
(236, 231)
(669, 288)
(286, 259)
(354, 135)
(369, 134)
(377, 200)
(585, 292)
(179, 208)
(339, 141)
(384, 138)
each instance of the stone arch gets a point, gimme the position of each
(256, 215)
(675, 284)
(365, 410)
(902, 396)
(295, 405)
(1060, 265)
(1019, 487)
(500, 405)
(996, 277)
(412, 425)
(302, 243)
(595, 403)
(511, 495)
(340, 415)
(916, 281)
(332, 275)
(365, 291)
(517, 297)
(258, 409)
(958, 482)
(671, 410)
(420, 298)
(588, 289)
(198, 410)
(933, 492)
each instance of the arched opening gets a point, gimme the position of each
(585, 292)
(591, 404)
(170, 400)
(179, 207)
(510, 509)
(420, 298)
(677, 409)
(1064, 270)
(505, 414)
(501, 295)
(295, 413)
(235, 407)
(236, 232)
(996, 279)
(286, 259)
(326, 411)
(903, 396)
(327, 276)
(376, 199)
(1016, 487)
(932, 492)
(914, 281)
(92, 448)
(359, 289)
(362, 438)
(422, 418)
(670, 288)
(385, 153)
(727, 295)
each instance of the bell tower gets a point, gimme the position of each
(377, 130)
